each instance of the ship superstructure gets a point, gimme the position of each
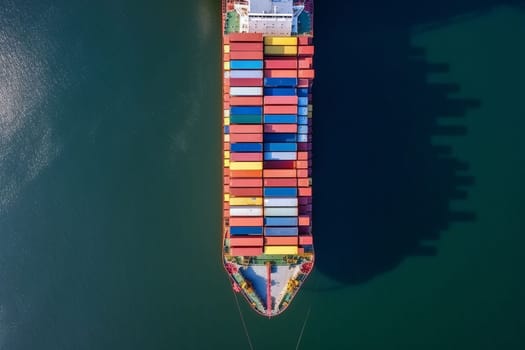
(267, 118)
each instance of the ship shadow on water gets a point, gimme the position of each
(383, 185)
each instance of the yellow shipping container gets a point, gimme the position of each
(226, 154)
(227, 138)
(226, 113)
(310, 108)
(226, 121)
(310, 114)
(227, 65)
(280, 249)
(280, 50)
(226, 48)
(226, 163)
(246, 201)
(246, 166)
(226, 197)
(280, 40)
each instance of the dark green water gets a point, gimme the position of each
(110, 183)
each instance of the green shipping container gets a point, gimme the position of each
(246, 119)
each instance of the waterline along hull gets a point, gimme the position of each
(267, 122)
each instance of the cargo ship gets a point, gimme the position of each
(267, 243)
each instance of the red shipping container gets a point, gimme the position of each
(226, 98)
(279, 173)
(236, 37)
(226, 188)
(300, 155)
(280, 100)
(306, 73)
(226, 146)
(246, 55)
(288, 128)
(306, 240)
(246, 47)
(304, 221)
(288, 182)
(246, 82)
(303, 183)
(225, 39)
(304, 63)
(245, 183)
(281, 63)
(305, 50)
(246, 251)
(279, 164)
(246, 191)
(246, 157)
(303, 83)
(226, 105)
(300, 250)
(252, 241)
(280, 73)
(226, 205)
(280, 240)
(226, 57)
(226, 180)
(246, 221)
(246, 138)
(301, 164)
(280, 109)
(246, 101)
(245, 129)
(304, 40)
(226, 172)
(226, 214)
(305, 191)
(302, 173)
(245, 173)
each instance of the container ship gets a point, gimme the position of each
(267, 248)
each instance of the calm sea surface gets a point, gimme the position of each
(110, 179)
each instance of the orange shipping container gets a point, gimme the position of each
(246, 251)
(280, 100)
(246, 101)
(303, 183)
(226, 205)
(226, 98)
(305, 50)
(246, 129)
(225, 39)
(246, 221)
(301, 164)
(304, 63)
(241, 37)
(226, 188)
(226, 180)
(226, 146)
(246, 183)
(278, 240)
(226, 172)
(245, 173)
(300, 155)
(246, 47)
(246, 191)
(279, 173)
(226, 57)
(288, 182)
(246, 138)
(281, 63)
(305, 191)
(246, 55)
(252, 241)
(302, 173)
(306, 73)
(306, 240)
(304, 40)
(288, 128)
(280, 109)
(304, 221)
(280, 73)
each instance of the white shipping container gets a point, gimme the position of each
(246, 211)
(287, 211)
(280, 156)
(281, 202)
(246, 91)
(246, 73)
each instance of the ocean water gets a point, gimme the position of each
(110, 179)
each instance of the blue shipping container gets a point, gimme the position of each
(281, 231)
(246, 110)
(280, 118)
(302, 129)
(226, 129)
(302, 101)
(278, 82)
(302, 92)
(277, 137)
(280, 155)
(302, 138)
(301, 110)
(280, 221)
(302, 120)
(280, 91)
(280, 147)
(246, 64)
(246, 230)
(280, 191)
(246, 147)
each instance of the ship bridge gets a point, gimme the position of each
(273, 17)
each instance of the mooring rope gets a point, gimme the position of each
(302, 329)
(243, 322)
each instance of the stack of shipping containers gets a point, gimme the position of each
(267, 144)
